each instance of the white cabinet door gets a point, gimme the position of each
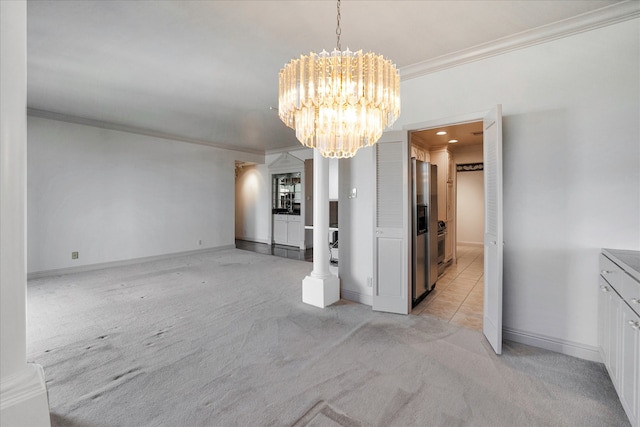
(293, 230)
(280, 229)
(439, 158)
(493, 235)
(614, 325)
(629, 366)
(604, 319)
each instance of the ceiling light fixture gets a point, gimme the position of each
(441, 133)
(339, 102)
(453, 141)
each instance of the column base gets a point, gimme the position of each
(320, 291)
(24, 398)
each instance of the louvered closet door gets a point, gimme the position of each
(493, 235)
(391, 244)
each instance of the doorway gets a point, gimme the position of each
(458, 297)
(392, 235)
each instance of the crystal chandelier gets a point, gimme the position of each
(339, 102)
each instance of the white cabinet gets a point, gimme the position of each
(608, 326)
(287, 229)
(619, 326)
(604, 322)
(446, 197)
(280, 229)
(294, 229)
(288, 200)
(630, 361)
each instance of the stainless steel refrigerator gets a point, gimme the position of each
(424, 196)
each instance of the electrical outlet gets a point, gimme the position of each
(369, 282)
(74, 255)
(199, 242)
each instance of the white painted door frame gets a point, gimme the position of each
(493, 286)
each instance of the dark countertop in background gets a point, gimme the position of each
(284, 212)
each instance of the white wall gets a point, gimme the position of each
(253, 192)
(252, 203)
(469, 197)
(571, 162)
(356, 218)
(571, 169)
(114, 196)
(334, 174)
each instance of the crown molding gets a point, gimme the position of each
(34, 112)
(290, 149)
(609, 15)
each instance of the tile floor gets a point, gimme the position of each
(459, 292)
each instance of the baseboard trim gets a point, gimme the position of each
(22, 386)
(122, 263)
(254, 240)
(569, 348)
(24, 399)
(356, 297)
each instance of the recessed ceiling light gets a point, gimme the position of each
(441, 133)
(453, 141)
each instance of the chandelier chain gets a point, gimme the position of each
(338, 29)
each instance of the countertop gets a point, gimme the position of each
(627, 260)
(310, 227)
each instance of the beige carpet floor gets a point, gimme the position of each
(223, 339)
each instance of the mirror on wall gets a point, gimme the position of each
(287, 193)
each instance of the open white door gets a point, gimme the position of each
(391, 224)
(493, 237)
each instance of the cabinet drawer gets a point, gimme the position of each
(611, 272)
(630, 292)
(294, 218)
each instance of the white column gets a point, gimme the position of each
(23, 393)
(320, 288)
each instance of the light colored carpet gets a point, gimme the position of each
(223, 339)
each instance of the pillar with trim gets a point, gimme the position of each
(320, 288)
(23, 392)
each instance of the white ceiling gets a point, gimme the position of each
(207, 71)
(465, 134)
